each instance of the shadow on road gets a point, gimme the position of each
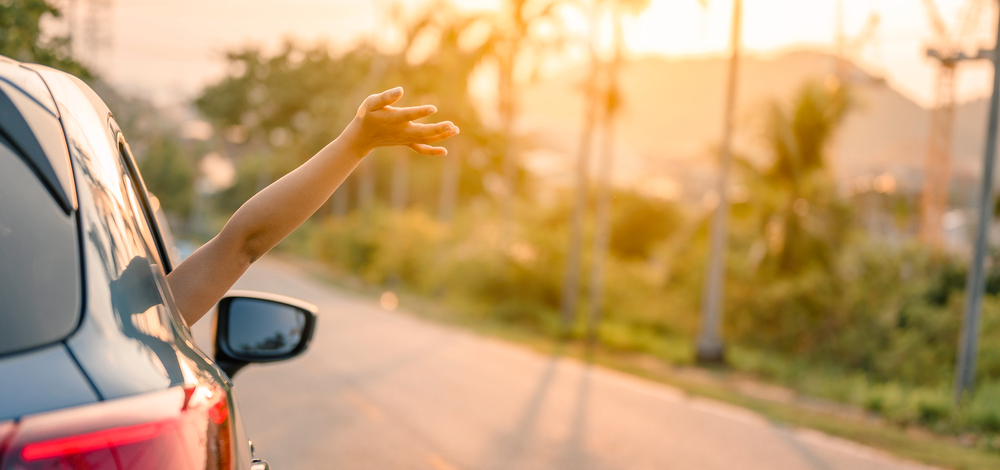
(575, 454)
(511, 446)
(515, 448)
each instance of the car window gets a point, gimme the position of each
(143, 218)
(39, 261)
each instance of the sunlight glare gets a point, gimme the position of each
(686, 28)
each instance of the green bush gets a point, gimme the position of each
(983, 410)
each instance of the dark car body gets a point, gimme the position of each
(97, 367)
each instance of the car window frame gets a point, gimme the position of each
(162, 252)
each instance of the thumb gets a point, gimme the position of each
(381, 100)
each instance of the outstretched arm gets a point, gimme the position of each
(270, 215)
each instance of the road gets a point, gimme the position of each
(386, 390)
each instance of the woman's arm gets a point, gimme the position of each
(270, 215)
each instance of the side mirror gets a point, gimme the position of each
(259, 327)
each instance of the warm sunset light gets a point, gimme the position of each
(500, 234)
(685, 28)
(672, 28)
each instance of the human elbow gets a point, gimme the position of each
(253, 249)
(246, 243)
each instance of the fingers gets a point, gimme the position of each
(414, 113)
(381, 100)
(436, 138)
(422, 132)
(428, 150)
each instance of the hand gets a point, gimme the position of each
(378, 124)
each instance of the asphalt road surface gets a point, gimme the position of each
(385, 390)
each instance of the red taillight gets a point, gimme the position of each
(179, 428)
(107, 438)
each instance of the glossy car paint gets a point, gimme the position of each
(130, 339)
(47, 378)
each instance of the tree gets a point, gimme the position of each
(592, 96)
(513, 41)
(169, 174)
(285, 106)
(802, 217)
(792, 297)
(443, 79)
(611, 101)
(275, 111)
(21, 37)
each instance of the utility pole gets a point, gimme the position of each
(709, 346)
(934, 199)
(947, 52)
(965, 369)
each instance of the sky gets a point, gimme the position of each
(168, 50)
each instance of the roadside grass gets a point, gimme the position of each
(864, 426)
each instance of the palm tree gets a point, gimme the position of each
(513, 35)
(445, 76)
(800, 214)
(611, 101)
(442, 77)
(571, 282)
(603, 100)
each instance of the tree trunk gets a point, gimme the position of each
(449, 187)
(605, 166)
(366, 184)
(340, 199)
(571, 284)
(506, 98)
(400, 181)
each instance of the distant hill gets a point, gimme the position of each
(672, 120)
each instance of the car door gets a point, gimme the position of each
(132, 339)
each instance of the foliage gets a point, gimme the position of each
(845, 318)
(799, 210)
(276, 110)
(639, 223)
(892, 352)
(169, 174)
(21, 37)
(168, 171)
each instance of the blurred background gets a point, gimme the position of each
(577, 203)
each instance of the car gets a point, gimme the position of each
(98, 370)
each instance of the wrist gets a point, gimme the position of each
(353, 140)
